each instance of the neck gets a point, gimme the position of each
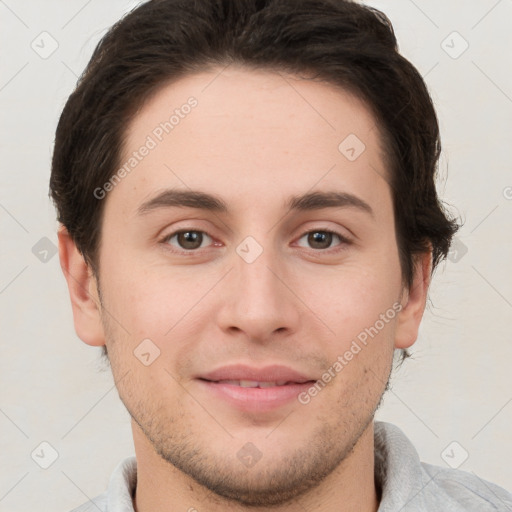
(162, 487)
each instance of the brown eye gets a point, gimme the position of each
(188, 240)
(322, 239)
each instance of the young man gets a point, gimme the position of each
(249, 227)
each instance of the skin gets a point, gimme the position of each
(255, 139)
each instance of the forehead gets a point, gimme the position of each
(259, 133)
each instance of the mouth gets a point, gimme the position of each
(254, 390)
(258, 384)
(249, 376)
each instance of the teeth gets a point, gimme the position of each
(248, 384)
(254, 383)
(268, 384)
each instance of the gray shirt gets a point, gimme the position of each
(407, 484)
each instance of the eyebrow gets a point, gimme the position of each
(208, 202)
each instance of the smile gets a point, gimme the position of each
(256, 384)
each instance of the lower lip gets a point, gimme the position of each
(256, 399)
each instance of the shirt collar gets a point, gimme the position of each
(398, 470)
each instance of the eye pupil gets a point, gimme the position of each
(190, 239)
(322, 237)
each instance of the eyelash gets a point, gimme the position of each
(344, 241)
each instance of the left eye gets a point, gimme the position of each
(321, 239)
(188, 239)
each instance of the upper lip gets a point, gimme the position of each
(270, 373)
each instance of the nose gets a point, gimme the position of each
(258, 299)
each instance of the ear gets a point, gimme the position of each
(414, 301)
(83, 291)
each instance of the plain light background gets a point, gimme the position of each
(453, 399)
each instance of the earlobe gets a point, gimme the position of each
(414, 302)
(83, 291)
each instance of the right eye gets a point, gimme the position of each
(188, 240)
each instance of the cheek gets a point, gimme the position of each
(352, 298)
(167, 308)
(149, 302)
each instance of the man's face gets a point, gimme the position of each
(256, 285)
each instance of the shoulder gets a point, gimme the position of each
(118, 496)
(410, 485)
(96, 505)
(466, 491)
